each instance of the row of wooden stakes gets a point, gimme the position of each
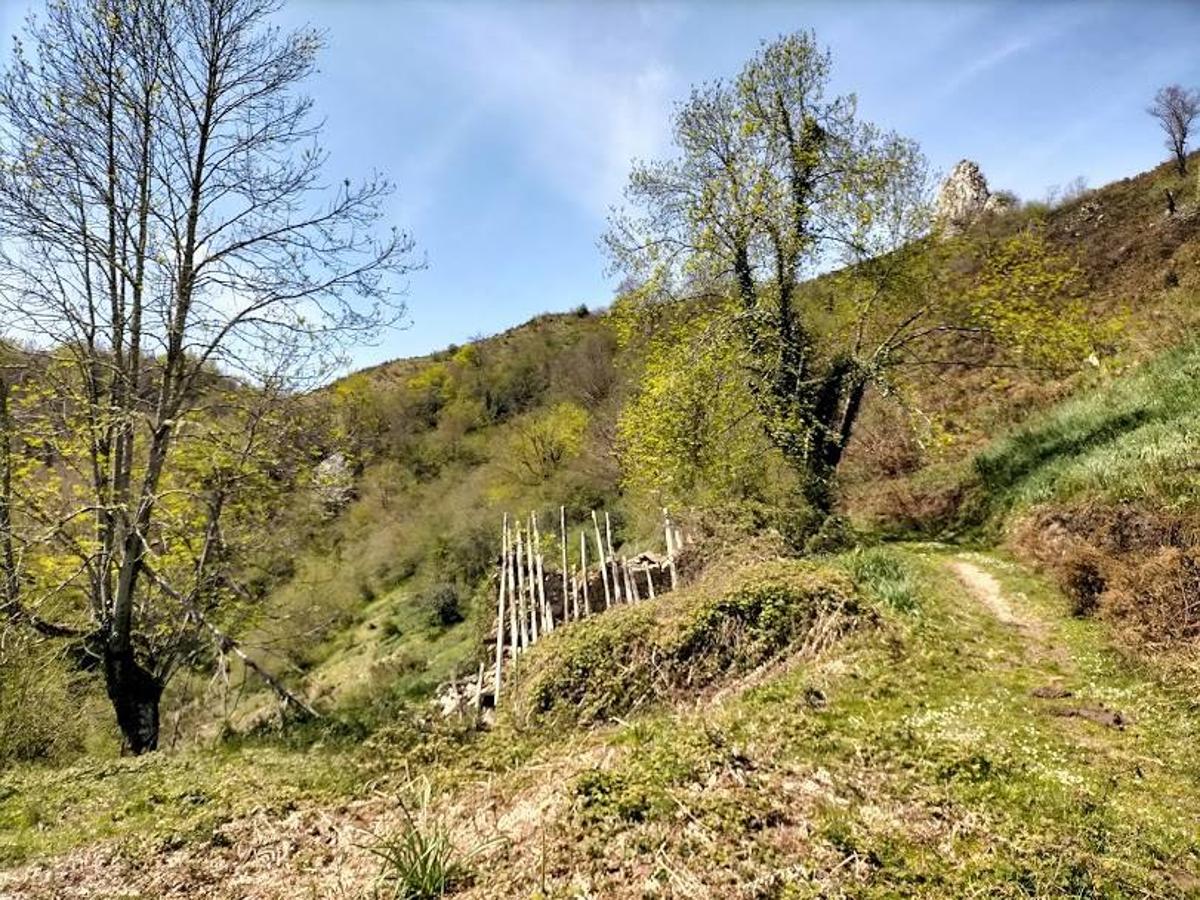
(526, 596)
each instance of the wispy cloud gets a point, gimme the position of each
(577, 112)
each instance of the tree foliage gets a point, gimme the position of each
(817, 226)
(164, 229)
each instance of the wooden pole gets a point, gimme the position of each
(513, 631)
(532, 599)
(522, 614)
(547, 612)
(670, 531)
(649, 581)
(603, 565)
(587, 603)
(612, 561)
(562, 525)
(500, 608)
(630, 585)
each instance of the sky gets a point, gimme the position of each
(509, 127)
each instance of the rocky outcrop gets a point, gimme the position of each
(333, 480)
(964, 197)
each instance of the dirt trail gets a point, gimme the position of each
(986, 589)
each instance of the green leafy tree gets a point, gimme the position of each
(816, 225)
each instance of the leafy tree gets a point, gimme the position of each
(542, 443)
(687, 435)
(1175, 108)
(815, 224)
(163, 230)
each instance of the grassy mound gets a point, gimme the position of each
(736, 617)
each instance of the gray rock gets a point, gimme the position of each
(964, 197)
(333, 480)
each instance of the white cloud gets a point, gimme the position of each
(578, 110)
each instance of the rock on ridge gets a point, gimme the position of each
(964, 197)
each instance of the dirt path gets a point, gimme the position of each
(986, 589)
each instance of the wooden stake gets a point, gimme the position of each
(547, 612)
(514, 632)
(533, 609)
(587, 603)
(649, 581)
(603, 564)
(500, 610)
(562, 525)
(630, 583)
(671, 548)
(612, 561)
(523, 613)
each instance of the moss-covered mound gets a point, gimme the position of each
(736, 617)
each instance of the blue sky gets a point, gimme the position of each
(509, 127)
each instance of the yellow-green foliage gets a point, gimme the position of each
(733, 619)
(40, 717)
(1027, 296)
(689, 436)
(545, 441)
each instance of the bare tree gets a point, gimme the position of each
(164, 229)
(1176, 107)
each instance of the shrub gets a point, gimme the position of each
(441, 603)
(39, 706)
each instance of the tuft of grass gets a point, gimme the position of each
(882, 574)
(420, 861)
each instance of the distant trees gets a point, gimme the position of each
(1175, 109)
(166, 241)
(813, 224)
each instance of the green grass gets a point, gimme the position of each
(1134, 438)
(907, 759)
(913, 762)
(159, 801)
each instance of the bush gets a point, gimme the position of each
(39, 706)
(734, 619)
(441, 603)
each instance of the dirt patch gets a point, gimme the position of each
(1110, 718)
(984, 587)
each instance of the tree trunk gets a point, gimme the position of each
(135, 695)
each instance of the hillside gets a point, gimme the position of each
(932, 717)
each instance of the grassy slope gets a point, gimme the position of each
(1142, 274)
(1132, 439)
(910, 759)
